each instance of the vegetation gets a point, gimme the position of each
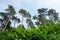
(40, 28)
(43, 32)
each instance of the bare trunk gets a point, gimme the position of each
(6, 23)
(14, 23)
(22, 22)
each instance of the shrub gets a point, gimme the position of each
(43, 32)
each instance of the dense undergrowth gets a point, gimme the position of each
(43, 32)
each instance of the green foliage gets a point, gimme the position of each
(43, 13)
(43, 32)
(46, 30)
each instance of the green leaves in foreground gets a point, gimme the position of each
(41, 33)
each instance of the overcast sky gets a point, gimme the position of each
(30, 5)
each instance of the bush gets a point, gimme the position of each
(43, 32)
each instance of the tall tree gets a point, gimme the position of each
(11, 12)
(53, 15)
(3, 20)
(30, 23)
(15, 19)
(24, 13)
(41, 18)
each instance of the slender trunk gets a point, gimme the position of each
(14, 23)
(6, 23)
(22, 22)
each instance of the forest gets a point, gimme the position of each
(45, 25)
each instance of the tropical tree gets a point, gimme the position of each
(53, 15)
(15, 19)
(30, 23)
(11, 11)
(41, 18)
(3, 20)
(25, 14)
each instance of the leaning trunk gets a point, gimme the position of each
(6, 23)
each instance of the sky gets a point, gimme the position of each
(30, 5)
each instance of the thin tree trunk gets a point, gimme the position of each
(22, 22)
(14, 23)
(6, 23)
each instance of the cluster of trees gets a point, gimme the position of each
(46, 20)
(39, 19)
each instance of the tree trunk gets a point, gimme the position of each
(14, 23)
(6, 23)
(22, 22)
